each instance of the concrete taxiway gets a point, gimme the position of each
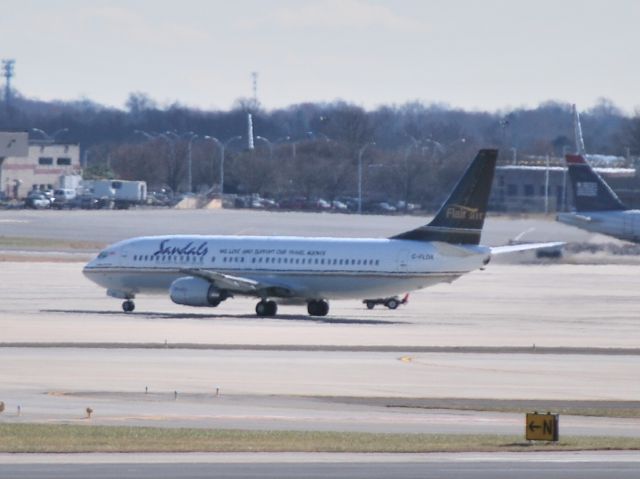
(589, 465)
(108, 226)
(69, 346)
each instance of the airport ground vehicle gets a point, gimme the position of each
(128, 193)
(120, 194)
(392, 303)
(63, 198)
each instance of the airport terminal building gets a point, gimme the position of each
(40, 167)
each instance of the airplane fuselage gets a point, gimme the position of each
(623, 224)
(312, 268)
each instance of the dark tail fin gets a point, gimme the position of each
(461, 217)
(590, 192)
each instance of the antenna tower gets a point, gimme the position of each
(577, 131)
(7, 71)
(254, 80)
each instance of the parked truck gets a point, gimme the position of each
(119, 194)
(128, 193)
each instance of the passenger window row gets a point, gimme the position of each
(168, 258)
(314, 261)
(260, 259)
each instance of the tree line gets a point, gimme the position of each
(411, 152)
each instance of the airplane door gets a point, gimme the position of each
(402, 260)
(124, 256)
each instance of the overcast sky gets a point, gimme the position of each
(489, 54)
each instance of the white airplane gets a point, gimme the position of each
(206, 270)
(598, 208)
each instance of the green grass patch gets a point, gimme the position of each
(28, 438)
(14, 242)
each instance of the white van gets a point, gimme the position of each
(63, 197)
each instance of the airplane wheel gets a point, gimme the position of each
(370, 304)
(324, 308)
(392, 304)
(272, 308)
(261, 308)
(266, 308)
(318, 308)
(128, 306)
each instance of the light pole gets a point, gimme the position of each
(191, 136)
(190, 163)
(414, 145)
(147, 135)
(360, 153)
(50, 137)
(563, 207)
(223, 146)
(269, 144)
(165, 137)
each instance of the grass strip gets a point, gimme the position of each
(48, 244)
(46, 438)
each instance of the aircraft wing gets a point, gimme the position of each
(241, 285)
(512, 248)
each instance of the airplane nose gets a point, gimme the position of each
(86, 270)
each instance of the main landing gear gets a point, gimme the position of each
(318, 307)
(266, 308)
(315, 307)
(128, 306)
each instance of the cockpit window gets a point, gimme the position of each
(103, 255)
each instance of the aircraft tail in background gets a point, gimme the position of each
(590, 191)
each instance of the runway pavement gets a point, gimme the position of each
(505, 305)
(564, 307)
(282, 373)
(108, 226)
(589, 465)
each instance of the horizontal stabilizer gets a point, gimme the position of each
(447, 249)
(512, 248)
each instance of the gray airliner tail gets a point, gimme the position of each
(590, 191)
(460, 219)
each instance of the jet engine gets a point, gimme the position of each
(192, 291)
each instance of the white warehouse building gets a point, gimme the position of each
(41, 169)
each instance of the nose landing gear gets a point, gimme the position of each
(128, 306)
